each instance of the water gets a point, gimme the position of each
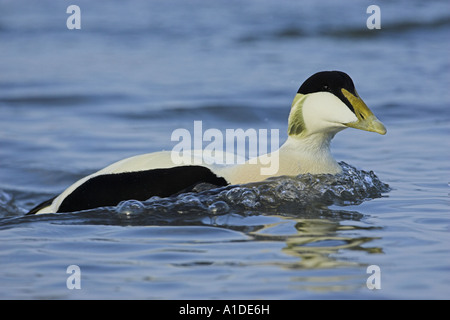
(74, 101)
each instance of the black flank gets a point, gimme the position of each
(111, 189)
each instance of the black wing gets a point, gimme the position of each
(111, 189)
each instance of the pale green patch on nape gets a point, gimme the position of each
(296, 123)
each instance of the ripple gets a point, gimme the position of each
(8, 207)
(302, 196)
(275, 195)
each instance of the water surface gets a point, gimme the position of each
(74, 101)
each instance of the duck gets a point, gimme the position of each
(325, 104)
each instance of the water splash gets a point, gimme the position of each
(8, 205)
(275, 195)
(302, 195)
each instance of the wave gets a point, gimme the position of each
(389, 28)
(59, 100)
(274, 195)
(333, 31)
(303, 196)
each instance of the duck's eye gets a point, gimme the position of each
(325, 88)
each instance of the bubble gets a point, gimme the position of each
(235, 194)
(287, 190)
(130, 207)
(189, 200)
(218, 207)
(153, 199)
(249, 198)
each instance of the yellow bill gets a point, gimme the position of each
(366, 119)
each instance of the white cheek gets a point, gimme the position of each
(324, 110)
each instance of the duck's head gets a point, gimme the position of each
(328, 102)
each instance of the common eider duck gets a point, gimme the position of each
(326, 103)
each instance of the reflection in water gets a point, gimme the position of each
(321, 244)
(318, 241)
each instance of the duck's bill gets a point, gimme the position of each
(366, 119)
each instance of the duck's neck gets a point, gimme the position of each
(310, 154)
(298, 155)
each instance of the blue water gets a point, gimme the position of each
(74, 101)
